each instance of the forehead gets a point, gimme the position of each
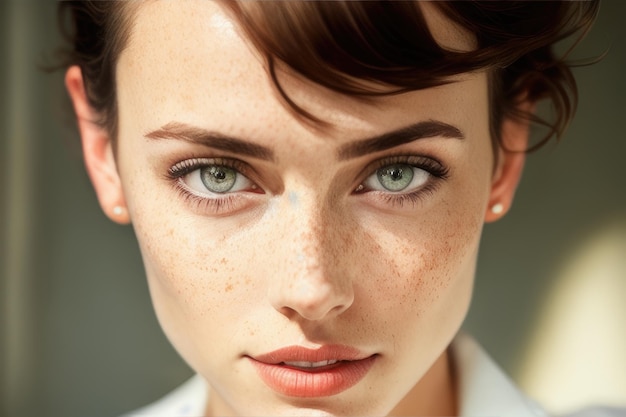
(448, 35)
(185, 56)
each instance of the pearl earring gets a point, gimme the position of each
(497, 208)
(118, 210)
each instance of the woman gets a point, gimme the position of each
(308, 183)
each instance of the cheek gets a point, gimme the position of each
(193, 264)
(425, 261)
(183, 257)
(424, 274)
(201, 295)
(196, 287)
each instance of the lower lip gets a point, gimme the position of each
(322, 382)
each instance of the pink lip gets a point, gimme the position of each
(320, 381)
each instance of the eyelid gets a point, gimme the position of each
(389, 200)
(427, 163)
(186, 166)
(209, 203)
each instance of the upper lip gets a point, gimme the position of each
(303, 354)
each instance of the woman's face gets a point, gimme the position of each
(267, 239)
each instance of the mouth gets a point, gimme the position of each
(300, 372)
(310, 366)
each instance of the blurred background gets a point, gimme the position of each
(79, 337)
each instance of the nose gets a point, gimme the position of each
(312, 280)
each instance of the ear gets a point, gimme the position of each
(97, 151)
(511, 157)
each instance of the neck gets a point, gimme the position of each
(434, 395)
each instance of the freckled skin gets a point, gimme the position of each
(307, 261)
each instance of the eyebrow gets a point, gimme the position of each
(197, 135)
(193, 134)
(424, 129)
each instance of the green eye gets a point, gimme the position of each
(395, 177)
(218, 178)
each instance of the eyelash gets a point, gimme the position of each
(223, 204)
(436, 169)
(227, 202)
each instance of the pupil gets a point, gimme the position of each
(395, 177)
(395, 173)
(218, 173)
(218, 179)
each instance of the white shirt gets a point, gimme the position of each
(484, 390)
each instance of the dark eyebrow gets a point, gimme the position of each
(193, 134)
(425, 129)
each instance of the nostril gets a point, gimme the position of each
(312, 302)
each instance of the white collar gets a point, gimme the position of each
(484, 390)
(188, 400)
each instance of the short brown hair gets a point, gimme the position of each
(338, 44)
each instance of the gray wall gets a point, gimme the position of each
(78, 334)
